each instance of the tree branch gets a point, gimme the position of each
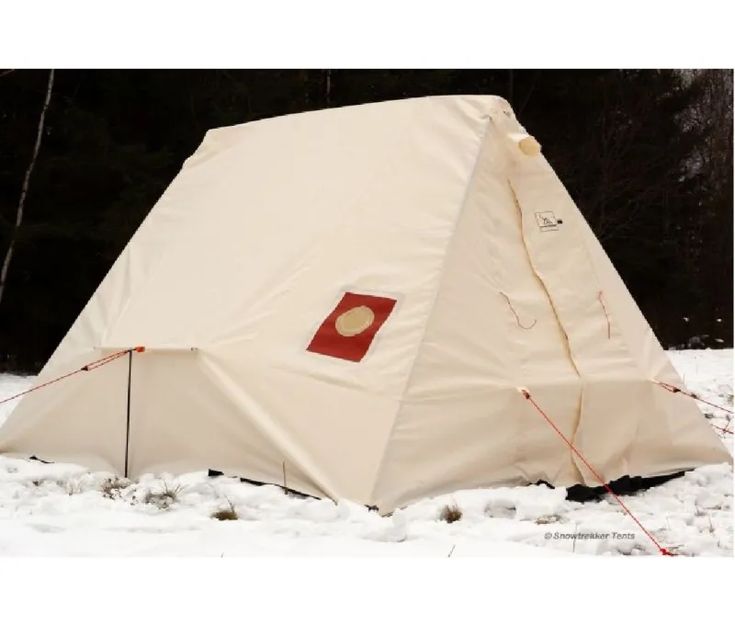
(24, 188)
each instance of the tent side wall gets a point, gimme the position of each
(627, 425)
(525, 303)
(62, 422)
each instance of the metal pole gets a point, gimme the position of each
(127, 427)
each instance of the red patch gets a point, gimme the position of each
(350, 328)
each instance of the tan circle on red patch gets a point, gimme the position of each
(355, 321)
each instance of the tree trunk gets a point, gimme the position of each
(24, 188)
(328, 89)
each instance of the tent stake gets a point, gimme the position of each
(127, 426)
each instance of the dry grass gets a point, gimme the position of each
(112, 488)
(226, 514)
(450, 513)
(165, 498)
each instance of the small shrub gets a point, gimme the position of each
(450, 513)
(548, 519)
(113, 487)
(226, 514)
(163, 499)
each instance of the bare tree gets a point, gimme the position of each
(24, 188)
(328, 89)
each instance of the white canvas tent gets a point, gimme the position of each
(356, 297)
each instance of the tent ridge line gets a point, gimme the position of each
(440, 280)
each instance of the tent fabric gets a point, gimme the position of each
(442, 214)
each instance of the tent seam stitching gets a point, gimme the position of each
(557, 317)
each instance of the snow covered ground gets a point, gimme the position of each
(60, 510)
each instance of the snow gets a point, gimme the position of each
(65, 510)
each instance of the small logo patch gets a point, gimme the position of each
(546, 220)
(350, 328)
